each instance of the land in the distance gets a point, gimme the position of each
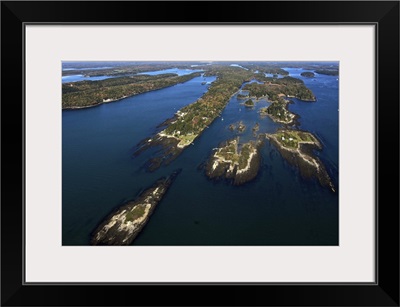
(119, 68)
(329, 72)
(91, 93)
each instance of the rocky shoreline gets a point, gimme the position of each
(284, 116)
(96, 104)
(123, 225)
(238, 163)
(303, 158)
(168, 145)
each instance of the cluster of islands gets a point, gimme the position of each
(233, 160)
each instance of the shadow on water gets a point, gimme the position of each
(278, 207)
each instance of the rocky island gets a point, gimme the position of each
(237, 162)
(297, 148)
(240, 127)
(123, 225)
(256, 128)
(249, 103)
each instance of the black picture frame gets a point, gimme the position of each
(383, 14)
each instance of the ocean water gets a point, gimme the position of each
(279, 207)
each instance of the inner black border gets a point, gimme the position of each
(385, 15)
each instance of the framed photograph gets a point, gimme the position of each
(247, 146)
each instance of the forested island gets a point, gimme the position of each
(263, 68)
(273, 88)
(249, 103)
(308, 74)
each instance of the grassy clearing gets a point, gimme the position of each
(135, 213)
(292, 138)
(186, 139)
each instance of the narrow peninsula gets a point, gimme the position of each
(85, 94)
(190, 121)
(122, 226)
(122, 69)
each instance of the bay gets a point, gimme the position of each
(277, 208)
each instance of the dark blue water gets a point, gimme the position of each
(322, 117)
(277, 208)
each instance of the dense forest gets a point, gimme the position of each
(273, 87)
(194, 118)
(266, 68)
(91, 93)
(127, 69)
(249, 103)
(329, 72)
